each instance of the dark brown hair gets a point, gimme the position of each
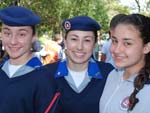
(142, 24)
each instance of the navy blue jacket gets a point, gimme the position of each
(31, 92)
(88, 100)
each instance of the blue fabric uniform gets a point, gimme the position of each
(28, 93)
(88, 99)
(29, 89)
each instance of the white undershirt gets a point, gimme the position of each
(12, 69)
(78, 77)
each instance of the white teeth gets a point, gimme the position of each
(14, 49)
(79, 54)
(119, 57)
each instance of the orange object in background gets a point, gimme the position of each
(52, 50)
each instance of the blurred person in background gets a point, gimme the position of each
(3, 54)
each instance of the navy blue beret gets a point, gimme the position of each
(18, 16)
(83, 23)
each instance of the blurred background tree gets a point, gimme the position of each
(53, 12)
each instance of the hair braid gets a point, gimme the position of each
(142, 23)
(144, 76)
(138, 85)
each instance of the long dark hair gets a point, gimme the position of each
(141, 23)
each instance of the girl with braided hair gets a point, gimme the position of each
(128, 86)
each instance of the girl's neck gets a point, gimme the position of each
(77, 67)
(131, 71)
(21, 60)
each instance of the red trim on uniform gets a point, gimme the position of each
(57, 94)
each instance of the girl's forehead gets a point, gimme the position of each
(81, 33)
(15, 28)
(126, 32)
(124, 29)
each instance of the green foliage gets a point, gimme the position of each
(53, 12)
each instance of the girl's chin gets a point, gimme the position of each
(119, 66)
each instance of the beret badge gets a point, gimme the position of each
(67, 25)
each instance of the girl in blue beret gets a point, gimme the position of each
(23, 89)
(127, 87)
(80, 78)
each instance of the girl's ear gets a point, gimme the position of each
(65, 44)
(34, 38)
(147, 48)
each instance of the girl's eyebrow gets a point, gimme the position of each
(23, 30)
(5, 28)
(126, 39)
(113, 37)
(74, 35)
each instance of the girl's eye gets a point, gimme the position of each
(6, 33)
(127, 44)
(88, 40)
(22, 34)
(74, 39)
(114, 41)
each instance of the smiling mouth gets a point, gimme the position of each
(119, 58)
(79, 54)
(14, 48)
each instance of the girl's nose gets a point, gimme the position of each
(13, 39)
(118, 48)
(80, 45)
